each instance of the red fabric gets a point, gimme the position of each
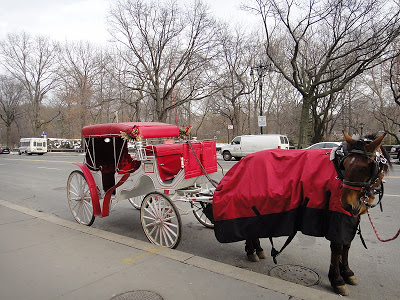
(146, 129)
(276, 181)
(168, 159)
(207, 154)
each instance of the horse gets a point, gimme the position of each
(320, 192)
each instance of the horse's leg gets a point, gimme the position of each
(259, 251)
(337, 282)
(345, 271)
(250, 248)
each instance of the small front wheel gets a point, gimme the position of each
(79, 199)
(226, 155)
(160, 220)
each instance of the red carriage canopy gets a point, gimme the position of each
(278, 192)
(146, 129)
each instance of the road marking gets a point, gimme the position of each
(131, 260)
(49, 168)
(396, 177)
(54, 161)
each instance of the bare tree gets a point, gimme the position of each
(234, 82)
(166, 48)
(11, 96)
(394, 78)
(326, 44)
(32, 62)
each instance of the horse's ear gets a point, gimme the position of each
(375, 144)
(348, 138)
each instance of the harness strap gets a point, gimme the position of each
(351, 187)
(274, 252)
(107, 196)
(361, 237)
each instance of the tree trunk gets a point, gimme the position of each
(304, 123)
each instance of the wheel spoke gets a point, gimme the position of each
(160, 220)
(168, 229)
(79, 198)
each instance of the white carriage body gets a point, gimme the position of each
(167, 169)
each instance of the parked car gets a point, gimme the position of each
(242, 145)
(4, 150)
(324, 145)
(395, 152)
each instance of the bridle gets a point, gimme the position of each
(370, 187)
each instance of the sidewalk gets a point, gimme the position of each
(45, 257)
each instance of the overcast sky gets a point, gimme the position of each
(71, 20)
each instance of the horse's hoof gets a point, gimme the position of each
(352, 280)
(252, 257)
(341, 290)
(262, 255)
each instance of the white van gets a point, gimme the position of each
(33, 146)
(246, 144)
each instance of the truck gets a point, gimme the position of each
(33, 146)
(243, 145)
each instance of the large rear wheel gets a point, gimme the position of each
(198, 211)
(160, 220)
(79, 199)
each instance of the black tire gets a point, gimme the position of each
(226, 155)
(198, 211)
(237, 158)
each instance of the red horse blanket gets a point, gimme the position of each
(279, 192)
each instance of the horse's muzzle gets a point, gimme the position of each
(354, 211)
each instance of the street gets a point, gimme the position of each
(39, 183)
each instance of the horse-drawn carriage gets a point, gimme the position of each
(157, 170)
(268, 194)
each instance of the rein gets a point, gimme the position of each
(376, 231)
(368, 187)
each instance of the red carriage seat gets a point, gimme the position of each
(168, 158)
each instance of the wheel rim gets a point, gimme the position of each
(79, 199)
(160, 220)
(200, 215)
(136, 201)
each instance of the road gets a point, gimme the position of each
(39, 182)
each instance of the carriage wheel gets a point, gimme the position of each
(136, 201)
(198, 211)
(79, 199)
(161, 221)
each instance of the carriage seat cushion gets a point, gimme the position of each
(126, 163)
(168, 158)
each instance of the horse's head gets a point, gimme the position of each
(365, 164)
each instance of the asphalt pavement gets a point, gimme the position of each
(46, 257)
